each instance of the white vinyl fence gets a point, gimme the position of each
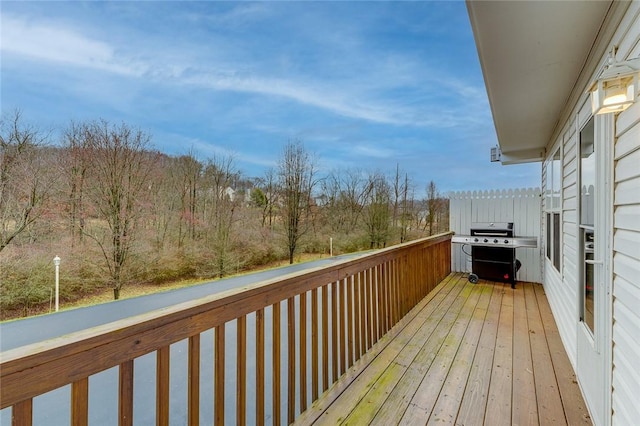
(520, 206)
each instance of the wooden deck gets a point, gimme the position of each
(466, 355)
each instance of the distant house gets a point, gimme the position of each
(540, 60)
(230, 192)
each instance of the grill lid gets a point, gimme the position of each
(492, 228)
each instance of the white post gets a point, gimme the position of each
(56, 261)
(330, 246)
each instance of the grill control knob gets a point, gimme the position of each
(506, 241)
(486, 241)
(495, 241)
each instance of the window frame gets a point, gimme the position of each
(553, 198)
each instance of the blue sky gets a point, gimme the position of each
(364, 85)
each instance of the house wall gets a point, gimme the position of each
(626, 265)
(520, 206)
(562, 286)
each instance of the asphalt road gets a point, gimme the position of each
(53, 407)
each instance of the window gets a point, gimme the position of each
(587, 212)
(553, 207)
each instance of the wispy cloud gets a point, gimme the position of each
(51, 43)
(361, 97)
(363, 84)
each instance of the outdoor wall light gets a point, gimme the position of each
(617, 87)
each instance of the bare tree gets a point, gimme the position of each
(188, 174)
(121, 169)
(165, 209)
(406, 205)
(345, 192)
(26, 180)
(75, 168)
(397, 196)
(377, 214)
(296, 180)
(265, 196)
(219, 177)
(432, 205)
(334, 214)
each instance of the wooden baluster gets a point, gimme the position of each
(356, 317)
(241, 371)
(219, 367)
(162, 386)
(349, 314)
(276, 364)
(377, 307)
(334, 331)
(375, 297)
(325, 338)
(125, 392)
(260, 367)
(315, 374)
(370, 318)
(389, 291)
(80, 402)
(396, 291)
(382, 288)
(391, 294)
(342, 324)
(405, 283)
(193, 399)
(426, 271)
(22, 413)
(363, 313)
(303, 351)
(291, 360)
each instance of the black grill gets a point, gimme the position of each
(494, 263)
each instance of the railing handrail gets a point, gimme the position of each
(58, 362)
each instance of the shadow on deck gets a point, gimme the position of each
(467, 355)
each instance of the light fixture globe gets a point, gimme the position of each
(617, 87)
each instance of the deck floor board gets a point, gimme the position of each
(466, 355)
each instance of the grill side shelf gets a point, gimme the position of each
(511, 242)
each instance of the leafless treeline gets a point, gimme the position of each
(118, 211)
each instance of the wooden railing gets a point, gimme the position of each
(324, 318)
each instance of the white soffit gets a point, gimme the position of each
(531, 54)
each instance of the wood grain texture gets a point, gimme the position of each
(356, 314)
(524, 408)
(315, 370)
(325, 338)
(354, 385)
(80, 402)
(574, 406)
(241, 371)
(22, 413)
(219, 372)
(291, 360)
(162, 386)
(452, 360)
(275, 360)
(260, 355)
(498, 407)
(125, 394)
(302, 347)
(193, 366)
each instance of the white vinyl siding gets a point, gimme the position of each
(626, 267)
(561, 289)
(626, 244)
